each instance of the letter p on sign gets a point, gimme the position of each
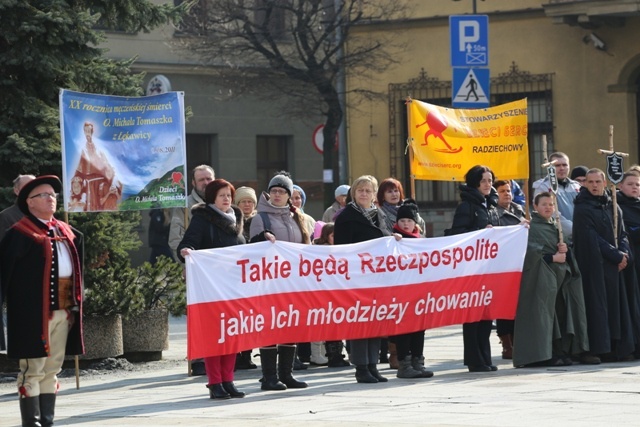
(469, 33)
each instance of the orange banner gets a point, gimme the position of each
(447, 142)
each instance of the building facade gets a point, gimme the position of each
(576, 62)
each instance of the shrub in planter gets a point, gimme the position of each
(160, 290)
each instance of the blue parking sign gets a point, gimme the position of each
(469, 40)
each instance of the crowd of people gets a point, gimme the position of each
(579, 298)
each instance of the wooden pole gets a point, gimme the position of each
(614, 196)
(527, 209)
(412, 177)
(76, 360)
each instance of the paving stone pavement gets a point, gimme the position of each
(579, 395)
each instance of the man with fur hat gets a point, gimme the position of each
(41, 279)
(341, 194)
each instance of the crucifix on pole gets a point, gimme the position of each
(614, 174)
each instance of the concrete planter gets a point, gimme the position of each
(146, 335)
(102, 337)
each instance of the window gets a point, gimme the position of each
(200, 150)
(270, 18)
(272, 156)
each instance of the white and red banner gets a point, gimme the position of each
(266, 293)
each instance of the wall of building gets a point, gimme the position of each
(234, 122)
(586, 98)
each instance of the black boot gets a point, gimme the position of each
(216, 391)
(243, 360)
(298, 364)
(47, 409)
(334, 353)
(363, 375)
(30, 411)
(230, 388)
(197, 368)
(373, 368)
(268, 358)
(285, 366)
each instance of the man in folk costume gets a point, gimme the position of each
(41, 278)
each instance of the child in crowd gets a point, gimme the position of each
(409, 346)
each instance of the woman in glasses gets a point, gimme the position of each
(278, 219)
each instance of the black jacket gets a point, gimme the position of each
(605, 296)
(351, 226)
(209, 229)
(630, 207)
(158, 229)
(474, 212)
(25, 282)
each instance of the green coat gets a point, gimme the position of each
(550, 319)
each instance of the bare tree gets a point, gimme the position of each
(294, 49)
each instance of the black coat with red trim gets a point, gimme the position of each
(25, 288)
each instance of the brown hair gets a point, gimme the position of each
(389, 184)
(540, 196)
(212, 188)
(327, 229)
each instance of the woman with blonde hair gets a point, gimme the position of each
(358, 222)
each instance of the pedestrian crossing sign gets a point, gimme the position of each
(470, 88)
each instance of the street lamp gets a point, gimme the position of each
(475, 10)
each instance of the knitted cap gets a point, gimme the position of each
(243, 193)
(578, 171)
(408, 209)
(282, 181)
(342, 190)
(302, 194)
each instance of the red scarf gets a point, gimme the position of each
(414, 233)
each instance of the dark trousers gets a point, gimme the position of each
(504, 327)
(409, 344)
(477, 347)
(364, 351)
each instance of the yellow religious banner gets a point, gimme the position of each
(447, 142)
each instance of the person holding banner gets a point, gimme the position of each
(215, 224)
(602, 254)
(475, 212)
(551, 323)
(358, 222)
(278, 219)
